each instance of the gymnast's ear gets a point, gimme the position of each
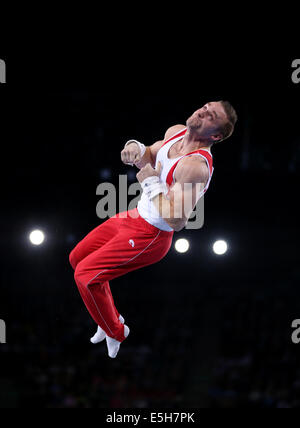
(216, 138)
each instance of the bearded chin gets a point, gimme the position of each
(195, 125)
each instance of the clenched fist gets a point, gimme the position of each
(131, 154)
(148, 171)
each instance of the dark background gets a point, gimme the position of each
(206, 330)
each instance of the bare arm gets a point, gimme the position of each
(150, 155)
(191, 175)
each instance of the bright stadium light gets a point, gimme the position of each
(220, 247)
(36, 237)
(182, 245)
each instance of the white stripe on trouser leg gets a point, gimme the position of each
(96, 276)
(99, 310)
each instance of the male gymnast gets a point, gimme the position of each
(143, 236)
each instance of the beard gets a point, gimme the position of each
(194, 123)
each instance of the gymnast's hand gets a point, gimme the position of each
(131, 153)
(148, 171)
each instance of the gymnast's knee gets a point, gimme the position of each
(79, 275)
(83, 274)
(73, 259)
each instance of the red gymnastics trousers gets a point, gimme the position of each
(121, 244)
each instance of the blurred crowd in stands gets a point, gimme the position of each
(175, 356)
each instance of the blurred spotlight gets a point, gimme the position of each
(182, 245)
(70, 238)
(220, 247)
(36, 237)
(131, 175)
(105, 173)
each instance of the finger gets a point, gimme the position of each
(137, 158)
(127, 161)
(132, 157)
(123, 157)
(127, 158)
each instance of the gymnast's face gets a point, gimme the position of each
(208, 120)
